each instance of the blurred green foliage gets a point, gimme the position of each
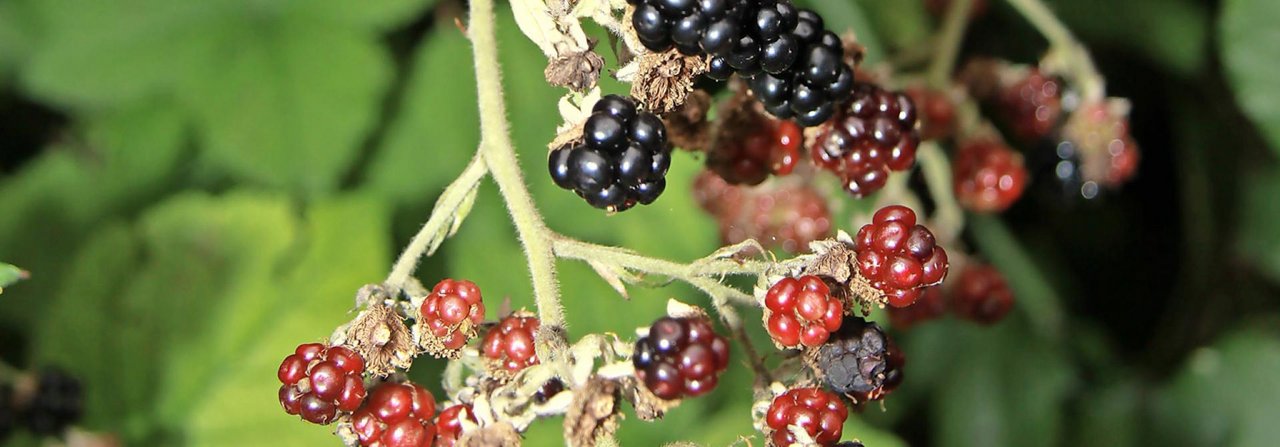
(233, 170)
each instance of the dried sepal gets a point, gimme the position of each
(687, 126)
(835, 261)
(501, 434)
(578, 71)
(431, 344)
(648, 406)
(380, 336)
(594, 413)
(663, 80)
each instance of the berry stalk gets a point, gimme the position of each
(949, 39)
(1075, 57)
(433, 232)
(496, 149)
(948, 220)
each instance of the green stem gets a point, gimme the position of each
(699, 275)
(948, 218)
(1036, 297)
(433, 232)
(949, 40)
(1075, 57)
(496, 149)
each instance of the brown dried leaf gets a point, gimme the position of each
(594, 413)
(380, 336)
(665, 79)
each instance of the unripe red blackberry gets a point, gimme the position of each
(396, 415)
(449, 424)
(931, 305)
(716, 196)
(937, 112)
(681, 357)
(873, 135)
(860, 360)
(788, 217)
(898, 256)
(452, 309)
(801, 311)
(1099, 132)
(510, 344)
(1032, 105)
(622, 160)
(321, 381)
(817, 412)
(981, 294)
(988, 176)
(747, 156)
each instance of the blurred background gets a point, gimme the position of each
(198, 186)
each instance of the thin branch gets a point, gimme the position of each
(498, 153)
(949, 218)
(1075, 57)
(949, 40)
(434, 231)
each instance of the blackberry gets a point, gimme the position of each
(873, 135)
(681, 357)
(931, 306)
(321, 381)
(860, 360)
(449, 424)
(793, 65)
(819, 413)
(755, 147)
(1032, 105)
(510, 344)
(899, 257)
(397, 415)
(622, 160)
(57, 404)
(788, 217)
(981, 295)
(694, 27)
(937, 112)
(801, 311)
(451, 312)
(988, 176)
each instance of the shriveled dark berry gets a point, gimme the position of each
(870, 137)
(860, 360)
(681, 357)
(622, 161)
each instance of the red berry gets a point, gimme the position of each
(755, 149)
(937, 113)
(788, 217)
(452, 308)
(931, 305)
(981, 294)
(1032, 105)
(817, 412)
(898, 256)
(1100, 132)
(681, 357)
(801, 311)
(874, 135)
(449, 424)
(396, 415)
(511, 342)
(320, 381)
(988, 176)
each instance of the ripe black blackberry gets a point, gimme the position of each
(793, 65)
(58, 403)
(860, 360)
(694, 27)
(681, 357)
(872, 135)
(622, 159)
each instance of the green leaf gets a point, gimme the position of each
(1225, 395)
(1258, 239)
(10, 274)
(260, 78)
(1249, 31)
(1175, 33)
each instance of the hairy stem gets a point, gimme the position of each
(949, 218)
(1075, 57)
(949, 40)
(432, 232)
(498, 153)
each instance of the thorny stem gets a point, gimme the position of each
(430, 234)
(1075, 59)
(949, 40)
(496, 149)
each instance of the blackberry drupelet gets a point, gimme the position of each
(622, 160)
(873, 135)
(396, 415)
(793, 65)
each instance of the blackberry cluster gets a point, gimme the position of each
(988, 176)
(694, 27)
(449, 424)
(680, 357)
(1032, 105)
(450, 304)
(510, 344)
(794, 66)
(981, 295)
(622, 160)
(861, 361)
(819, 413)
(801, 311)
(320, 381)
(898, 256)
(875, 134)
(58, 403)
(787, 217)
(397, 415)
